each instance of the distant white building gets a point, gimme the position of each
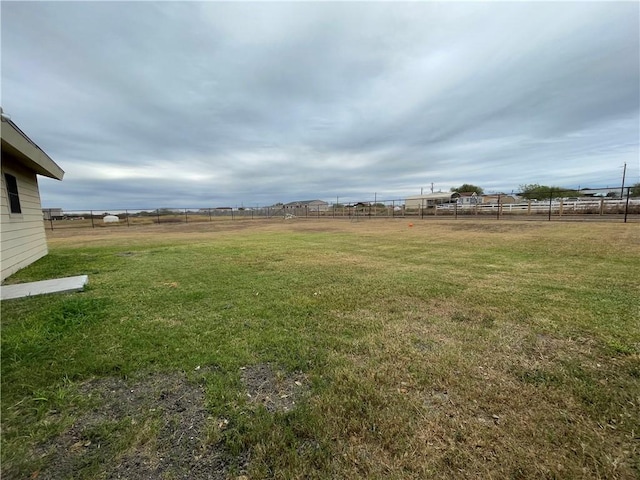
(467, 198)
(429, 199)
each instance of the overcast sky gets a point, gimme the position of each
(163, 104)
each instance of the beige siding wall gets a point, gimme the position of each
(23, 237)
(411, 203)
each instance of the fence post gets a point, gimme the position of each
(550, 200)
(186, 219)
(529, 207)
(126, 212)
(626, 205)
(50, 219)
(158, 215)
(455, 210)
(92, 225)
(209, 214)
(498, 214)
(601, 206)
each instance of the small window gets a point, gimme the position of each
(12, 191)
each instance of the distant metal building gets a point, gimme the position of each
(52, 213)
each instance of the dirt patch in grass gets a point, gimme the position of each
(149, 427)
(157, 426)
(275, 390)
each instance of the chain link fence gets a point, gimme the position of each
(554, 204)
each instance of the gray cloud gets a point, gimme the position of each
(150, 104)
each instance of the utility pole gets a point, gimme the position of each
(624, 173)
(431, 187)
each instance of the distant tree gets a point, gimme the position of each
(466, 188)
(534, 191)
(635, 190)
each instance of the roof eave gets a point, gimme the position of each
(19, 145)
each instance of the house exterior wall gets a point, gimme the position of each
(504, 199)
(307, 206)
(319, 205)
(411, 203)
(23, 236)
(468, 199)
(427, 200)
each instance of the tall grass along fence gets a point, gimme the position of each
(546, 206)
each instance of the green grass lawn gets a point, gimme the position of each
(469, 349)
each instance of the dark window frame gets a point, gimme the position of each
(12, 192)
